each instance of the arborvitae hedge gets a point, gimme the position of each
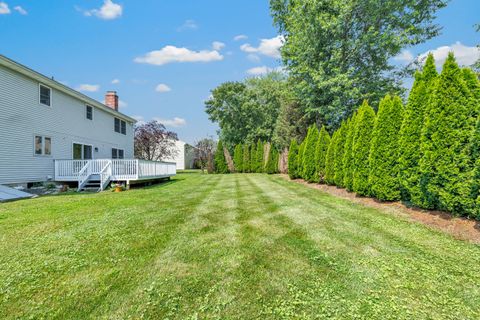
(259, 157)
(446, 168)
(361, 148)
(475, 194)
(246, 158)
(473, 84)
(384, 153)
(292, 159)
(253, 158)
(309, 165)
(301, 151)
(411, 131)
(238, 158)
(348, 155)
(321, 154)
(272, 159)
(339, 152)
(330, 160)
(219, 159)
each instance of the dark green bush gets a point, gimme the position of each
(309, 165)
(246, 158)
(321, 154)
(292, 159)
(330, 160)
(238, 158)
(219, 159)
(348, 155)
(339, 151)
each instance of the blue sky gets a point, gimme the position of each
(89, 44)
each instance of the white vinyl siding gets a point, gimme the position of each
(64, 122)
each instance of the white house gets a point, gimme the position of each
(49, 131)
(184, 157)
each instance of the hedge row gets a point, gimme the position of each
(256, 158)
(426, 153)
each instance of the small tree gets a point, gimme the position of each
(384, 153)
(476, 171)
(292, 159)
(238, 158)
(301, 151)
(246, 158)
(309, 165)
(220, 162)
(154, 142)
(321, 154)
(339, 153)
(259, 168)
(361, 148)
(348, 165)
(446, 166)
(330, 160)
(272, 160)
(204, 150)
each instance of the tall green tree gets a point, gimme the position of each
(348, 163)
(309, 165)
(364, 125)
(339, 153)
(292, 159)
(247, 111)
(259, 160)
(384, 153)
(246, 158)
(475, 194)
(301, 152)
(330, 160)
(411, 131)
(332, 47)
(321, 154)
(238, 158)
(446, 166)
(219, 159)
(272, 159)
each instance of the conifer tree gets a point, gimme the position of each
(246, 158)
(301, 151)
(238, 158)
(339, 152)
(259, 157)
(361, 148)
(272, 157)
(384, 167)
(411, 131)
(253, 157)
(348, 155)
(321, 154)
(309, 165)
(277, 160)
(292, 159)
(446, 166)
(219, 159)
(330, 160)
(476, 172)
(472, 81)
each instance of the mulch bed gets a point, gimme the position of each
(460, 228)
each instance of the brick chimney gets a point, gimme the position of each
(111, 100)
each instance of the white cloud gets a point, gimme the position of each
(268, 47)
(240, 37)
(88, 88)
(217, 45)
(188, 25)
(163, 88)
(122, 104)
(464, 55)
(20, 10)
(175, 122)
(140, 120)
(171, 54)
(4, 9)
(258, 71)
(404, 57)
(115, 81)
(108, 11)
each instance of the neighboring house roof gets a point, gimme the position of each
(15, 66)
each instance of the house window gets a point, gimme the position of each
(120, 126)
(45, 95)
(118, 153)
(82, 151)
(43, 146)
(89, 112)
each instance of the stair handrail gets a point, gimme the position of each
(105, 175)
(83, 175)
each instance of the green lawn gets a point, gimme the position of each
(227, 247)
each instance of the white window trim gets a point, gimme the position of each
(43, 155)
(83, 144)
(93, 116)
(51, 95)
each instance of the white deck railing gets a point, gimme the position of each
(121, 169)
